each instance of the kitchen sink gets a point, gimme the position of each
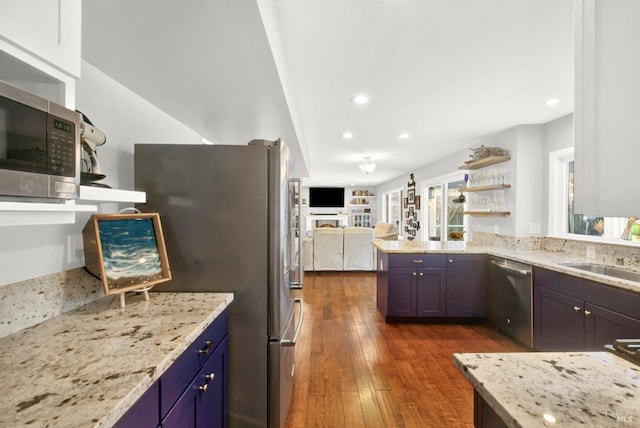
(616, 272)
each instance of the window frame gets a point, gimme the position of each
(443, 182)
(386, 208)
(558, 195)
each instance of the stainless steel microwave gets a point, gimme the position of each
(39, 147)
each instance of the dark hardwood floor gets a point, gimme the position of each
(354, 370)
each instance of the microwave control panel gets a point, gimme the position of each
(61, 148)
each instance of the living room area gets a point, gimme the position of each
(339, 225)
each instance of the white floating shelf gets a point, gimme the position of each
(38, 213)
(92, 193)
(68, 206)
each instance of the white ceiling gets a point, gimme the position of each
(449, 72)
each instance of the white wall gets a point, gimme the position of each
(529, 146)
(32, 251)
(558, 134)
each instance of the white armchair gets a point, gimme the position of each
(386, 231)
(328, 249)
(358, 250)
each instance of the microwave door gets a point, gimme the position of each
(23, 137)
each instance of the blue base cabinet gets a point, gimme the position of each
(416, 285)
(467, 285)
(203, 402)
(145, 413)
(432, 285)
(193, 392)
(575, 314)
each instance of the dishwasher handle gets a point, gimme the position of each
(515, 271)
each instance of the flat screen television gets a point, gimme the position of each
(326, 197)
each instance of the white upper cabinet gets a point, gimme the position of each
(607, 107)
(50, 30)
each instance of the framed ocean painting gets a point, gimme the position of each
(126, 251)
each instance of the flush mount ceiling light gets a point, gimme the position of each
(359, 99)
(552, 102)
(404, 136)
(347, 135)
(367, 166)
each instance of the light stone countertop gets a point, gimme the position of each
(589, 389)
(540, 258)
(87, 367)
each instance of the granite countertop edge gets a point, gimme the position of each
(574, 388)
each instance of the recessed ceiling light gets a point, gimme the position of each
(404, 136)
(347, 135)
(552, 102)
(360, 99)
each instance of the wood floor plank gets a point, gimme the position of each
(355, 370)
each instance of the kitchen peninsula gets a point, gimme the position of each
(595, 389)
(88, 367)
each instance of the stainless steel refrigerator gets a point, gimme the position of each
(228, 219)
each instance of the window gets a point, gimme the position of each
(452, 225)
(564, 221)
(392, 209)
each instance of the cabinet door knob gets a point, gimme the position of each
(576, 309)
(414, 274)
(208, 344)
(210, 377)
(587, 313)
(204, 388)
(450, 260)
(421, 274)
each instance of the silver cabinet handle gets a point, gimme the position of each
(210, 377)
(204, 388)
(205, 351)
(576, 309)
(421, 273)
(414, 274)
(587, 313)
(417, 261)
(450, 260)
(298, 328)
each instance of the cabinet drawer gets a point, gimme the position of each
(204, 400)
(176, 379)
(417, 260)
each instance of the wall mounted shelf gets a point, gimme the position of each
(37, 213)
(91, 193)
(491, 160)
(482, 188)
(487, 213)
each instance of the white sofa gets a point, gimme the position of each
(358, 251)
(337, 249)
(328, 249)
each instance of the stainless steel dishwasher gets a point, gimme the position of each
(510, 299)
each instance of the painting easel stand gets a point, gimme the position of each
(145, 292)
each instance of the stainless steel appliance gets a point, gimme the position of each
(510, 299)
(39, 147)
(628, 349)
(228, 222)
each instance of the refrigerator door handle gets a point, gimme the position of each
(298, 328)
